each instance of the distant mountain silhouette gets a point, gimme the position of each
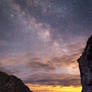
(85, 66)
(10, 83)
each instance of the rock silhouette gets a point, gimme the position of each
(85, 66)
(10, 83)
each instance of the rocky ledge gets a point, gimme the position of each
(85, 66)
(10, 83)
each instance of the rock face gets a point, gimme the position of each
(10, 83)
(85, 66)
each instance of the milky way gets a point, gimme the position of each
(44, 37)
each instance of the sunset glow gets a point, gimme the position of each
(40, 88)
(42, 40)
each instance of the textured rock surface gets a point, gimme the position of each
(85, 66)
(10, 83)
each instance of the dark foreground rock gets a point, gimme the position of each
(10, 83)
(85, 66)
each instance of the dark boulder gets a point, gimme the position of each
(85, 66)
(10, 83)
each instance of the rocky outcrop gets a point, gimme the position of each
(10, 83)
(85, 66)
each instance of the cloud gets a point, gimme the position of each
(55, 79)
(31, 34)
(40, 65)
(64, 16)
(25, 65)
(46, 70)
(64, 82)
(3, 43)
(45, 41)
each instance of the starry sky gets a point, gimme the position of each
(41, 40)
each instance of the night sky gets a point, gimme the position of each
(41, 40)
